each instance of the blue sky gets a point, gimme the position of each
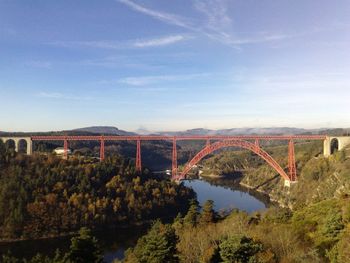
(173, 65)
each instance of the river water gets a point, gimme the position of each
(225, 193)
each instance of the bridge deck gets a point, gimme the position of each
(178, 138)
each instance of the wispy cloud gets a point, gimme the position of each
(148, 80)
(218, 18)
(58, 95)
(217, 25)
(103, 44)
(109, 44)
(162, 41)
(52, 95)
(261, 38)
(38, 64)
(163, 16)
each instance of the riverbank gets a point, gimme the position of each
(243, 180)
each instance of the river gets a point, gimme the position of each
(225, 193)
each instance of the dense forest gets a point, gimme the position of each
(316, 233)
(43, 195)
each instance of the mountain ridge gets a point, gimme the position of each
(111, 130)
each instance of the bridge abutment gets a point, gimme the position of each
(18, 140)
(334, 143)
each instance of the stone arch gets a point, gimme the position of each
(11, 143)
(334, 145)
(22, 146)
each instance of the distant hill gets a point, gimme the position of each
(242, 131)
(110, 130)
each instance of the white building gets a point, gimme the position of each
(60, 151)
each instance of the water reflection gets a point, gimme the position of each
(226, 195)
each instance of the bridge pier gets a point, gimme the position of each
(288, 183)
(102, 149)
(174, 160)
(138, 156)
(336, 143)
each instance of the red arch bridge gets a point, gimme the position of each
(213, 143)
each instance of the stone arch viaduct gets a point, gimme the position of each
(18, 141)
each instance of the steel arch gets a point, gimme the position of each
(208, 149)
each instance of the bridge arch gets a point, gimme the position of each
(11, 144)
(334, 145)
(22, 146)
(208, 149)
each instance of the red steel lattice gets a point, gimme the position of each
(233, 143)
(222, 141)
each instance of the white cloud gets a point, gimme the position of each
(165, 17)
(218, 24)
(148, 80)
(107, 44)
(162, 41)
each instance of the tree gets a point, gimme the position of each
(208, 213)
(84, 248)
(178, 222)
(8, 258)
(239, 249)
(157, 246)
(333, 226)
(191, 217)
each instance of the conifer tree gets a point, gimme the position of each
(208, 213)
(157, 246)
(239, 249)
(191, 217)
(178, 223)
(84, 248)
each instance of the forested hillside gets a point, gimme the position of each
(315, 233)
(47, 196)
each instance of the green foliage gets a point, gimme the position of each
(178, 222)
(157, 246)
(239, 249)
(208, 214)
(316, 169)
(8, 258)
(321, 223)
(333, 225)
(191, 218)
(84, 248)
(277, 215)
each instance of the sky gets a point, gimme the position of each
(174, 65)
